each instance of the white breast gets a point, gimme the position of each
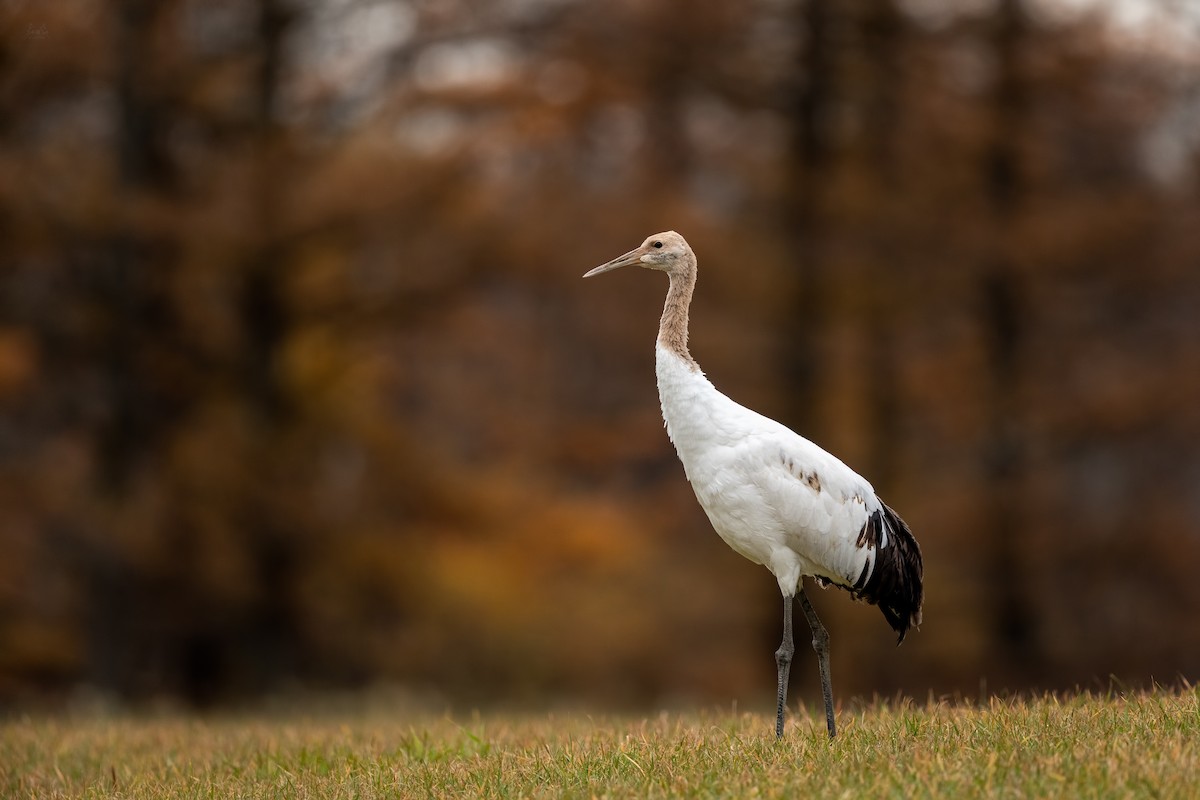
(773, 496)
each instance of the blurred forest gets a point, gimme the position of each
(300, 387)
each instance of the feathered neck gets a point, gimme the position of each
(673, 327)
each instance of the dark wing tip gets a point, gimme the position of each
(896, 582)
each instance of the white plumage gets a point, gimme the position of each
(772, 495)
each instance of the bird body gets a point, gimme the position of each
(773, 496)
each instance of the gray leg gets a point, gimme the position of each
(820, 643)
(783, 660)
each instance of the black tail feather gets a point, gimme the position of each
(895, 583)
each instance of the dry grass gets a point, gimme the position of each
(1136, 745)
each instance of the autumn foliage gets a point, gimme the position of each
(300, 387)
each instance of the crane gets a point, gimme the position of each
(772, 495)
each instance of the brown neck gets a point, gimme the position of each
(673, 328)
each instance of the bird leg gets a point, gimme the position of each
(783, 660)
(820, 643)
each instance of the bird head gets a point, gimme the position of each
(666, 252)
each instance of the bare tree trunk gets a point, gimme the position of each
(124, 281)
(271, 625)
(263, 312)
(668, 153)
(1002, 311)
(810, 110)
(118, 285)
(883, 32)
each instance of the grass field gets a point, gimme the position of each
(1135, 745)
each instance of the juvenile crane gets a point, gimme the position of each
(773, 496)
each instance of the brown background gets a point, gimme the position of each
(300, 387)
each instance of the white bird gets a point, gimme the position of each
(772, 495)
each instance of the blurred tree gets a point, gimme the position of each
(1003, 317)
(298, 383)
(812, 118)
(884, 30)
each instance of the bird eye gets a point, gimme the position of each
(657, 244)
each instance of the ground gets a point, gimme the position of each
(1119, 745)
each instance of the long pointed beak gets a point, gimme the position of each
(632, 257)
